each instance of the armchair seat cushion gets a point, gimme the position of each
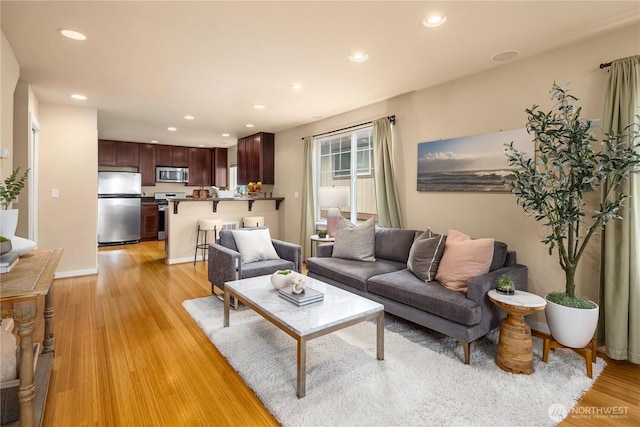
(270, 266)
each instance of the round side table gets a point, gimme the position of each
(315, 239)
(515, 347)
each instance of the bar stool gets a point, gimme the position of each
(206, 224)
(252, 221)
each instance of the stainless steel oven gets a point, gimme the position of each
(163, 205)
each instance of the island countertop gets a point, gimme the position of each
(215, 200)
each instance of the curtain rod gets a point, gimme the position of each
(392, 120)
(605, 65)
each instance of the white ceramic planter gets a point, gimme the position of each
(571, 327)
(8, 222)
(280, 281)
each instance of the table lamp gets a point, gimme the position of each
(333, 198)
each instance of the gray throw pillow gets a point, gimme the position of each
(355, 242)
(425, 255)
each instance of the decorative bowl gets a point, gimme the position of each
(5, 246)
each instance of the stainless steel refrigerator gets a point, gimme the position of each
(119, 200)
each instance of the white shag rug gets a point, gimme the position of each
(422, 381)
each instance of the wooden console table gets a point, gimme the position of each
(31, 278)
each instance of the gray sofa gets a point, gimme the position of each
(464, 316)
(225, 261)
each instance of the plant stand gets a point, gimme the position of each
(589, 352)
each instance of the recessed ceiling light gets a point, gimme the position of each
(259, 107)
(188, 117)
(248, 125)
(225, 134)
(79, 97)
(358, 57)
(153, 141)
(172, 129)
(434, 20)
(200, 145)
(296, 86)
(72, 34)
(505, 56)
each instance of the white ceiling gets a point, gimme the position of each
(146, 64)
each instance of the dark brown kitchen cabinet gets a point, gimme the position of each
(170, 155)
(147, 163)
(219, 170)
(149, 221)
(199, 162)
(117, 153)
(256, 154)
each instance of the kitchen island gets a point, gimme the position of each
(183, 215)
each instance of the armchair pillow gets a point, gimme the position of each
(463, 259)
(254, 244)
(425, 255)
(355, 241)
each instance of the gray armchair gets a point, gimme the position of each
(225, 262)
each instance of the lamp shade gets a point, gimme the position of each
(333, 197)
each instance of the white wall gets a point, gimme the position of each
(482, 103)
(10, 71)
(69, 159)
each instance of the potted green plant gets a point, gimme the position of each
(11, 188)
(505, 285)
(569, 164)
(322, 234)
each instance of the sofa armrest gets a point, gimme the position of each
(324, 250)
(289, 251)
(478, 287)
(223, 263)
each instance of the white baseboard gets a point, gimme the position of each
(75, 273)
(171, 261)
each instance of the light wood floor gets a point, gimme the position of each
(128, 354)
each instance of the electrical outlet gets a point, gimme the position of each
(55, 193)
(296, 195)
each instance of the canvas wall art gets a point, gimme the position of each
(473, 163)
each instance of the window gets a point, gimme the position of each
(337, 165)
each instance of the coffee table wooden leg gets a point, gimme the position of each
(24, 314)
(301, 389)
(380, 337)
(226, 309)
(49, 313)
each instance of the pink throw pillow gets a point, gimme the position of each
(463, 259)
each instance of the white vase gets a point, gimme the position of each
(280, 281)
(8, 222)
(571, 327)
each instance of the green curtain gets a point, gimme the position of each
(621, 255)
(307, 221)
(384, 174)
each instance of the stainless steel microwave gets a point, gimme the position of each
(169, 174)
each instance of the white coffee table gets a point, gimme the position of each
(338, 310)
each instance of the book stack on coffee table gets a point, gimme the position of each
(8, 260)
(308, 296)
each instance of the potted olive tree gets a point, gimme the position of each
(570, 163)
(11, 188)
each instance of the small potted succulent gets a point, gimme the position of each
(322, 234)
(505, 285)
(281, 279)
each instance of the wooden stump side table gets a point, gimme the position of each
(515, 346)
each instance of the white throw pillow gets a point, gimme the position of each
(254, 244)
(8, 356)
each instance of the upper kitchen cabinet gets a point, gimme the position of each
(147, 165)
(199, 162)
(169, 155)
(256, 158)
(219, 170)
(117, 153)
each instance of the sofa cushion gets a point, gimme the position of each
(254, 244)
(463, 259)
(355, 242)
(261, 268)
(425, 254)
(351, 272)
(499, 256)
(393, 243)
(404, 287)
